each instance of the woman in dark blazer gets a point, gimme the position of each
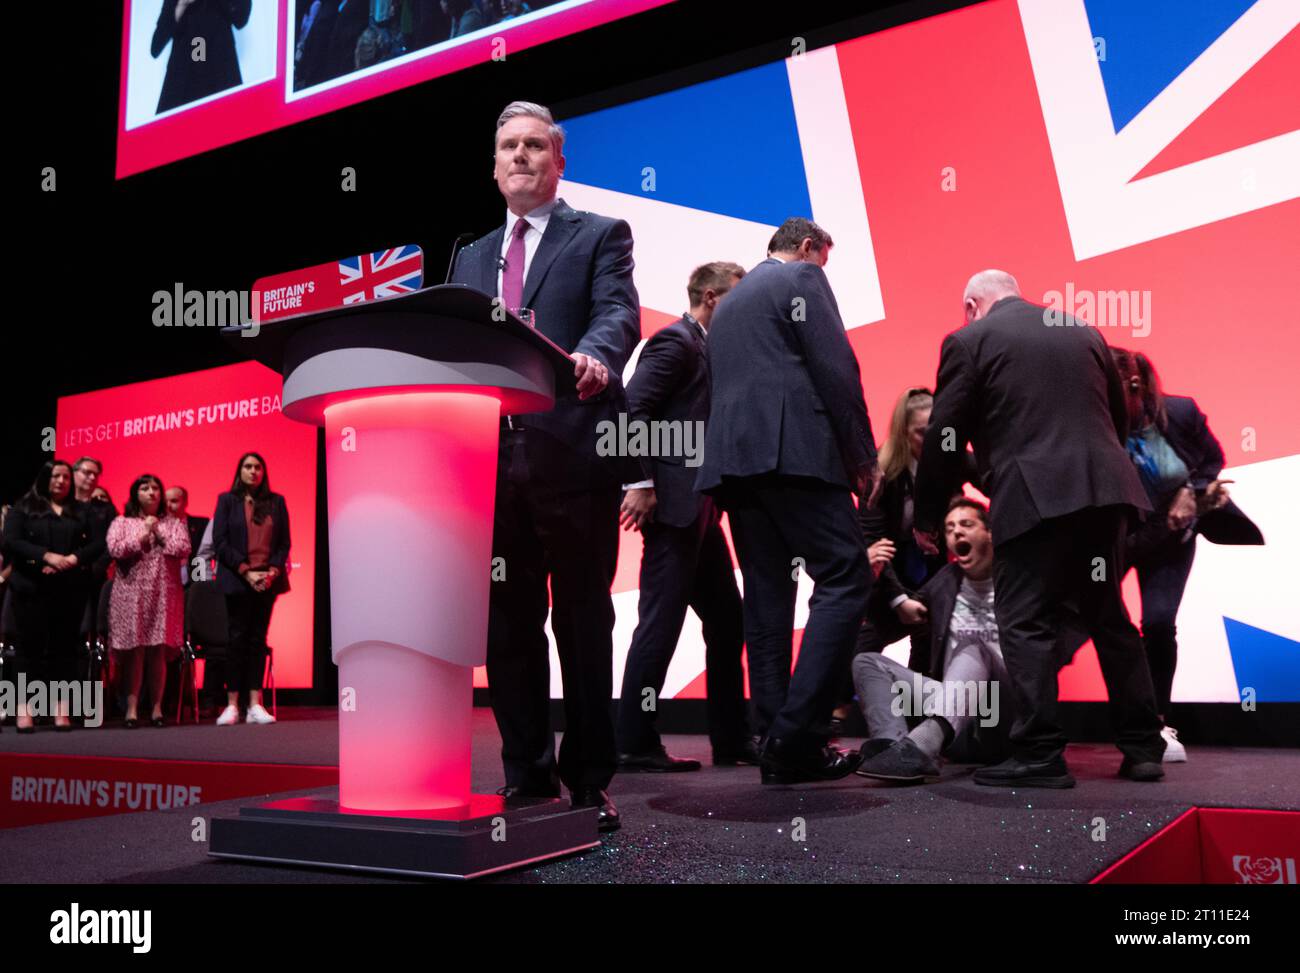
(51, 542)
(1178, 460)
(250, 534)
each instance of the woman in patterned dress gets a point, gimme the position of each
(146, 609)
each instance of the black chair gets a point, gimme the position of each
(206, 637)
(94, 628)
(268, 678)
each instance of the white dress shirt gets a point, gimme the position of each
(537, 220)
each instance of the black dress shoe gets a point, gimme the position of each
(131, 724)
(746, 753)
(608, 819)
(873, 746)
(27, 729)
(1014, 772)
(655, 762)
(783, 763)
(1142, 770)
(158, 721)
(902, 762)
(515, 794)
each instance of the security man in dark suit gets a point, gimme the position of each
(685, 560)
(1035, 392)
(557, 499)
(788, 440)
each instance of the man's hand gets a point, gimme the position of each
(927, 541)
(638, 508)
(879, 554)
(1215, 496)
(1183, 509)
(59, 562)
(591, 375)
(912, 612)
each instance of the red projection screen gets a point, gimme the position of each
(264, 70)
(190, 430)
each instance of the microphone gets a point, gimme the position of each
(455, 252)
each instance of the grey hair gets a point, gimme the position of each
(991, 285)
(532, 110)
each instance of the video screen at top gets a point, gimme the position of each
(198, 74)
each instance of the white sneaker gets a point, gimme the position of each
(258, 714)
(229, 716)
(1175, 752)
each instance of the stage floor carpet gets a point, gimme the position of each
(716, 825)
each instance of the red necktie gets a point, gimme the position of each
(512, 277)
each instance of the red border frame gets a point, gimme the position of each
(263, 107)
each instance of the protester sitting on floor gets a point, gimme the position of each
(963, 695)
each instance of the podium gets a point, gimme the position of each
(411, 391)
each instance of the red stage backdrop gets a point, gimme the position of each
(1137, 163)
(190, 430)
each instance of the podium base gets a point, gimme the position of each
(463, 843)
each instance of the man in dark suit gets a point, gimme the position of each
(788, 440)
(1035, 392)
(557, 498)
(686, 561)
(178, 502)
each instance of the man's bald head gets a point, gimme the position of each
(984, 290)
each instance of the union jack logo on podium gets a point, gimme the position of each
(383, 273)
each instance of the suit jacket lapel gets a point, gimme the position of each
(561, 228)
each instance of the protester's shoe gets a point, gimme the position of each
(872, 746)
(904, 762)
(258, 714)
(786, 764)
(1175, 752)
(1141, 770)
(131, 723)
(746, 753)
(157, 721)
(27, 729)
(608, 819)
(655, 762)
(229, 716)
(1017, 773)
(62, 727)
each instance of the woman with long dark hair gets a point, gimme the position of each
(250, 534)
(147, 606)
(1178, 460)
(51, 543)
